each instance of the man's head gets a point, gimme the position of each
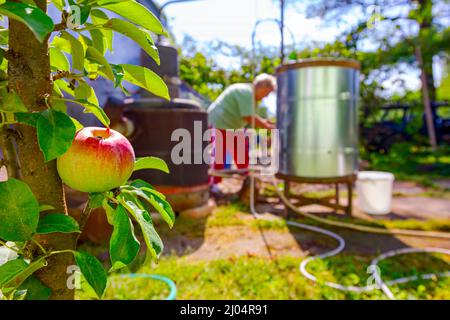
(264, 84)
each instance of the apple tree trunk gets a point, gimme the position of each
(29, 76)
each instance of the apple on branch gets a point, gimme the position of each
(99, 159)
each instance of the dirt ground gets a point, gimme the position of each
(206, 239)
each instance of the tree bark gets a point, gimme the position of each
(429, 119)
(425, 24)
(425, 60)
(9, 156)
(29, 77)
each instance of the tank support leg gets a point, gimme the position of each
(350, 197)
(287, 194)
(336, 195)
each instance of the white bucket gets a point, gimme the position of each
(374, 190)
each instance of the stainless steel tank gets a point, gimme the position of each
(317, 115)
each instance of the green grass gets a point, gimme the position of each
(252, 277)
(229, 215)
(413, 163)
(237, 214)
(258, 278)
(409, 224)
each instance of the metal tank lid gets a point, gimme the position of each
(322, 62)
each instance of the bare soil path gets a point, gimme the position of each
(217, 237)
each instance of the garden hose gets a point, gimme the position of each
(357, 227)
(172, 287)
(373, 269)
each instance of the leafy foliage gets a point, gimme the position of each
(76, 55)
(395, 29)
(55, 132)
(151, 163)
(32, 16)
(19, 211)
(93, 271)
(124, 246)
(57, 222)
(35, 289)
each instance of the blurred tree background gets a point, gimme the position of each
(386, 38)
(200, 70)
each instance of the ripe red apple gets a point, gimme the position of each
(99, 159)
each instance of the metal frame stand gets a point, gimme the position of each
(327, 201)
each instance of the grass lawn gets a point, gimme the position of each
(256, 277)
(412, 163)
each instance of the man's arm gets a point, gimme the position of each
(259, 122)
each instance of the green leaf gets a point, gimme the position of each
(162, 206)
(11, 102)
(150, 163)
(141, 37)
(64, 86)
(61, 44)
(57, 222)
(85, 10)
(99, 18)
(58, 60)
(85, 92)
(4, 36)
(158, 202)
(78, 125)
(110, 211)
(59, 4)
(92, 271)
(96, 199)
(55, 132)
(58, 92)
(146, 79)
(36, 290)
(143, 218)
(85, 41)
(119, 74)
(59, 106)
(137, 13)
(29, 118)
(98, 40)
(33, 17)
(45, 207)
(19, 211)
(123, 245)
(18, 278)
(89, 108)
(93, 55)
(76, 51)
(10, 270)
(145, 186)
(139, 183)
